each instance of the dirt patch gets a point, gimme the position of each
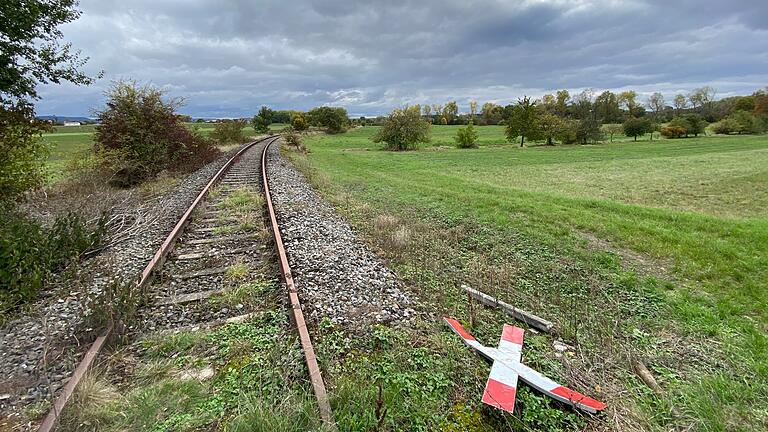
(660, 268)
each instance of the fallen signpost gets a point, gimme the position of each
(519, 314)
(501, 387)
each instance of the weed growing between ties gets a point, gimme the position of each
(242, 376)
(241, 207)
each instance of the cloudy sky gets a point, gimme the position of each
(228, 57)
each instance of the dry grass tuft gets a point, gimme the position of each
(401, 238)
(385, 222)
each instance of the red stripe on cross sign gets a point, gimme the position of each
(499, 395)
(578, 398)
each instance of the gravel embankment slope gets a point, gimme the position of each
(337, 276)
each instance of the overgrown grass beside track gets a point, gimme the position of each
(652, 250)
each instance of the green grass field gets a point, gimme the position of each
(71, 142)
(652, 250)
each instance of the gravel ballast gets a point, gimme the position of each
(337, 276)
(39, 350)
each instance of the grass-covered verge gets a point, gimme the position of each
(70, 145)
(651, 251)
(247, 376)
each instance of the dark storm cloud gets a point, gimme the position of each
(229, 57)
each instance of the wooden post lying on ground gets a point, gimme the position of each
(519, 314)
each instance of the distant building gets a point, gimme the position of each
(71, 123)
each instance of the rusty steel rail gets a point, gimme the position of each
(295, 306)
(49, 423)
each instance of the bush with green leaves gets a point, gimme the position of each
(262, 120)
(229, 132)
(299, 122)
(333, 119)
(30, 253)
(403, 129)
(293, 139)
(140, 135)
(22, 153)
(635, 127)
(466, 137)
(740, 122)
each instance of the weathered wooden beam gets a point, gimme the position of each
(519, 314)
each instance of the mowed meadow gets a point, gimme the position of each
(651, 251)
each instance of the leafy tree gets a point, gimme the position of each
(700, 97)
(607, 107)
(548, 103)
(523, 122)
(299, 122)
(472, 110)
(612, 129)
(140, 135)
(262, 120)
(491, 113)
(22, 152)
(466, 137)
(696, 124)
(30, 51)
(30, 54)
(282, 116)
(292, 138)
(588, 130)
(260, 124)
(745, 123)
(635, 127)
(628, 99)
(403, 129)
(550, 126)
(567, 134)
(689, 124)
(333, 119)
(761, 103)
(443, 120)
(229, 132)
(450, 112)
(583, 107)
(562, 97)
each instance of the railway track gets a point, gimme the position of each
(229, 228)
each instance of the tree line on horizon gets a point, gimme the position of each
(582, 118)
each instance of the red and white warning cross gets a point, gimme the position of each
(501, 387)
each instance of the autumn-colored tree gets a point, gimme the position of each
(628, 100)
(472, 109)
(299, 122)
(491, 113)
(451, 111)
